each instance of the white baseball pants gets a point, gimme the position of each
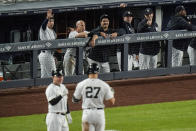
(95, 118)
(69, 63)
(47, 63)
(56, 122)
(192, 55)
(147, 61)
(177, 57)
(130, 61)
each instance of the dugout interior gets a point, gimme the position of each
(25, 27)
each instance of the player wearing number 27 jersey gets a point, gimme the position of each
(93, 92)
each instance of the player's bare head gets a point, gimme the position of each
(80, 26)
(104, 21)
(93, 69)
(57, 76)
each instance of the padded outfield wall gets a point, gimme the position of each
(26, 101)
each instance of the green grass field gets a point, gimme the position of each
(171, 116)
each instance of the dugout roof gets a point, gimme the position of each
(19, 7)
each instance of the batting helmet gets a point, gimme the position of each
(57, 73)
(93, 68)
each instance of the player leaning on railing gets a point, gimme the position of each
(180, 22)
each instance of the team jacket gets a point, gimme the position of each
(128, 29)
(148, 48)
(180, 23)
(193, 43)
(100, 53)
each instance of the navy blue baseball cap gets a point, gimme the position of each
(127, 13)
(148, 11)
(179, 8)
(104, 16)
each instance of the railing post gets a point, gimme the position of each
(79, 61)
(124, 57)
(169, 53)
(33, 64)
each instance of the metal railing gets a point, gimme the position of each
(80, 43)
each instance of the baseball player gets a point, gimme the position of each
(46, 58)
(179, 22)
(192, 52)
(100, 54)
(133, 48)
(57, 95)
(93, 92)
(70, 55)
(148, 50)
(192, 47)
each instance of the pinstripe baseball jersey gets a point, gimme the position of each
(53, 91)
(46, 59)
(72, 51)
(93, 93)
(47, 34)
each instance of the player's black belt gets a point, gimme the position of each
(60, 113)
(45, 51)
(94, 108)
(72, 55)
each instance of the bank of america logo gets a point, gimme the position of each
(127, 38)
(48, 44)
(166, 35)
(8, 48)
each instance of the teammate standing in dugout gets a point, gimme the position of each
(179, 22)
(69, 61)
(46, 58)
(93, 92)
(126, 28)
(148, 50)
(100, 54)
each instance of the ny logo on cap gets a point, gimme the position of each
(148, 10)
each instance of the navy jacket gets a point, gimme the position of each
(100, 53)
(148, 48)
(193, 43)
(180, 23)
(128, 29)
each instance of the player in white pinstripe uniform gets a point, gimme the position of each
(93, 92)
(46, 58)
(58, 110)
(70, 55)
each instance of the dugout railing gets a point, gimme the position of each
(80, 43)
